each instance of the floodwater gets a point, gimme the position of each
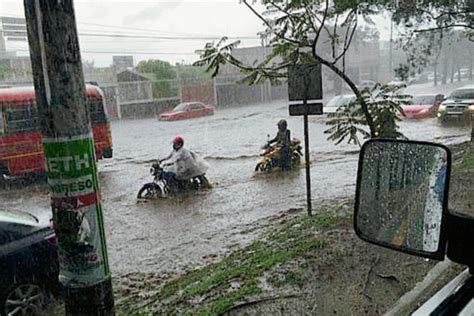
(169, 235)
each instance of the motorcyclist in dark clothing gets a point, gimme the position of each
(283, 140)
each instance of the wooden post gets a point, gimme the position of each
(69, 156)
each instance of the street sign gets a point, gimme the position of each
(305, 82)
(309, 109)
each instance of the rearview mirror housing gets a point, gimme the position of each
(402, 196)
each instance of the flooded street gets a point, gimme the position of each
(169, 234)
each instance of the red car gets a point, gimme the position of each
(424, 106)
(186, 111)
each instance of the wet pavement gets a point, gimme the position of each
(172, 234)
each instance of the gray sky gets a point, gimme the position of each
(180, 18)
(152, 18)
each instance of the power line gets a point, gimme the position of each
(183, 38)
(123, 52)
(190, 36)
(144, 29)
(159, 37)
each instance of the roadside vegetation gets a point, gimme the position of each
(468, 160)
(245, 273)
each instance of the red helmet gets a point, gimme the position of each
(178, 140)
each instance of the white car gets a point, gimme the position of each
(338, 101)
(366, 84)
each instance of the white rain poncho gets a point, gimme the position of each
(186, 164)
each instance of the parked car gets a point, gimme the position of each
(186, 111)
(366, 84)
(418, 78)
(398, 82)
(459, 105)
(29, 265)
(337, 102)
(423, 106)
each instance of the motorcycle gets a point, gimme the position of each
(162, 187)
(271, 154)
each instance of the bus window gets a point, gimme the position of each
(97, 112)
(21, 119)
(2, 130)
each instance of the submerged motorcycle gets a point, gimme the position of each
(162, 187)
(270, 154)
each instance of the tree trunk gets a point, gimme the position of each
(470, 67)
(452, 70)
(444, 77)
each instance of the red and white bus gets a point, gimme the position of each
(21, 149)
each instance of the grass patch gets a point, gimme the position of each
(468, 160)
(291, 278)
(213, 289)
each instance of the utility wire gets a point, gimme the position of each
(122, 52)
(189, 36)
(184, 38)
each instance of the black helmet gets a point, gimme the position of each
(282, 124)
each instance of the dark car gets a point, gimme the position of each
(459, 105)
(28, 264)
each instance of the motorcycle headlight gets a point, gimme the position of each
(471, 108)
(442, 108)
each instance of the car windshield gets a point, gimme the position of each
(180, 107)
(192, 159)
(462, 94)
(423, 100)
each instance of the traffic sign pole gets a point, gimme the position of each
(307, 159)
(305, 82)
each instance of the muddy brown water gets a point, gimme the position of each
(172, 234)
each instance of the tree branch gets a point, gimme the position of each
(347, 42)
(288, 15)
(350, 83)
(264, 69)
(282, 36)
(334, 37)
(325, 14)
(468, 26)
(310, 20)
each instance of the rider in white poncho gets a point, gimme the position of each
(183, 164)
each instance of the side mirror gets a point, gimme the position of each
(402, 196)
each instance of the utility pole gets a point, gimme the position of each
(69, 156)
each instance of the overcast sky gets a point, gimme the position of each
(152, 18)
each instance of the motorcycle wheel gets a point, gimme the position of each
(149, 190)
(263, 167)
(260, 167)
(296, 159)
